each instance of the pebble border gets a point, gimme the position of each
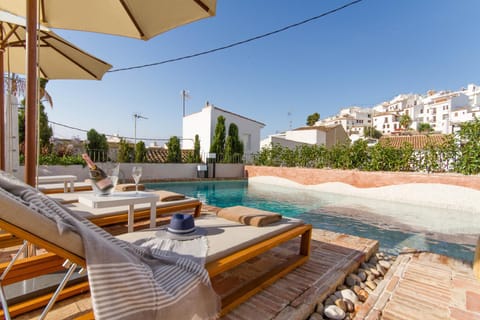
(349, 297)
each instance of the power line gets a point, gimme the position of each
(239, 42)
(111, 135)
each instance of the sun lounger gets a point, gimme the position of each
(230, 243)
(67, 180)
(60, 187)
(107, 216)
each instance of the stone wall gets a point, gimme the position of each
(362, 179)
(151, 171)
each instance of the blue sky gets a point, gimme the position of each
(362, 55)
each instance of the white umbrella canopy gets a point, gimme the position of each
(57, 58)
(142, 19)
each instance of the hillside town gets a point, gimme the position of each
(437, 112)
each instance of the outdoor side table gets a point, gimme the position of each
(123, 199)
(66, 179)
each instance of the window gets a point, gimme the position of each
(421, 110)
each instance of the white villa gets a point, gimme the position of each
(319, 135)
(204, 122)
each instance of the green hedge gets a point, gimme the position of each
(459, 153)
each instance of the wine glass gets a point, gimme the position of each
(113, 175)
(136, 174)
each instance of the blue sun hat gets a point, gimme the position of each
(182, 227)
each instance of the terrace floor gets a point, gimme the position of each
(418, 286)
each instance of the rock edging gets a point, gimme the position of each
(349, 297)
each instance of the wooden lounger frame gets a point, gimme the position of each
(52, 261)
(61, 190)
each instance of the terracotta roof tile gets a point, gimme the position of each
(418, 142)
(159, 155)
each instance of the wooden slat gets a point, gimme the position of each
(226, 263)
(8, 240)
(256, 285)
(51, 247)
(32, 267)
(42, 300)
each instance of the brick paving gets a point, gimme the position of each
(425, 286)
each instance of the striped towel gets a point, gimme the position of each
(129, 281)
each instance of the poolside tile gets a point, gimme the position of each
(473, 301)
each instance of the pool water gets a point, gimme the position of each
(394, 225)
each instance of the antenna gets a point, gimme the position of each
(136, 116)
(289, 115)
(185, 95)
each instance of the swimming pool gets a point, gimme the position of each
(394, 225)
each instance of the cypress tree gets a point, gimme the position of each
(174, 152)
(218, 143)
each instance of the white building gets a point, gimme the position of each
(473, 93)
(386, 122)
(438, 106)
(313, 135)
(204, 122)
(352, 119)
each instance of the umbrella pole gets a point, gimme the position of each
(2, 112)
(31, 102)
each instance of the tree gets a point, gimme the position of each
(313, 118)
(233, 145)
(469, 136)
(424, 127)
(174, 152)
(125, 151)
(196, 150)
(140, 152)
(371, 132)
(405, 121)
(218, 143)
(97, 145)
(45, 131)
